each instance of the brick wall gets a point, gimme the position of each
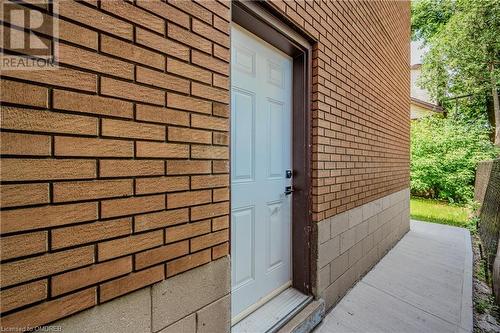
(361, 99)
(115, 166)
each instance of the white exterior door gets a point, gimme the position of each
(261, 137)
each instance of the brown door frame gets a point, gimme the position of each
(263, 20)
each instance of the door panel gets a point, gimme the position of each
(243, 122)
(243, 224)
(261, 119)
(275, 135)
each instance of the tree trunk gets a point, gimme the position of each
(496, 106)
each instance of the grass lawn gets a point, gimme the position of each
(438, 212)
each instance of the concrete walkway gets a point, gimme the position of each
(424, 284)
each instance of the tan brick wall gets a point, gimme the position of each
(361, 99)
(115, 166)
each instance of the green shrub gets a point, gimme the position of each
(444, 156)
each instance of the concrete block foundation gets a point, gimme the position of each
(351, 243)
(196, 301)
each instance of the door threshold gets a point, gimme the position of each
(245, 313)
(274, 314)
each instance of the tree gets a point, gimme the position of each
(444, 155)
(464, 52)
(429, 16)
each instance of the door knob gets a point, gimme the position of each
(289, 190)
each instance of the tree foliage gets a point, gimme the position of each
(444, 156)
(463, 37)
(428, 17)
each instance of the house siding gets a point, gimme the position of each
(115, 167)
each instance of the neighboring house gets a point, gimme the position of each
(421, 103)
(190, 161)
